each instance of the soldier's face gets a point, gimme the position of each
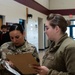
(4, 30)
(51, 32)
(17, 37)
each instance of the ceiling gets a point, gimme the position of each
(36, 6)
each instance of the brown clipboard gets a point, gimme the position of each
(23, 62)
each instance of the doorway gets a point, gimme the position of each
(1, 21)
(40, 34)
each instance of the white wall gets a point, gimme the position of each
(62, 4)
(12, 10)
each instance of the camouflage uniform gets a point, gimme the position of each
(9, 48)
(60, 58)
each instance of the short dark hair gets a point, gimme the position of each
(3, 26)
(16, 26)
(58, 20)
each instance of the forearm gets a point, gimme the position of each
(54, 72)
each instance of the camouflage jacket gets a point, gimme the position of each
(60, 58)
(9, 48)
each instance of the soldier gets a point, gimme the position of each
(59, 59)
(4, 35)
(18, 44)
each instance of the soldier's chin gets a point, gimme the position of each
(17, 45)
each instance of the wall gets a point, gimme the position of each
(12, 10)
(62, 4)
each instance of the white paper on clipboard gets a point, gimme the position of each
(7, 66)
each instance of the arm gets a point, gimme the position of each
(2, 54)
(69, 57)
(36, 55)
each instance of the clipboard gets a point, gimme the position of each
(23, 62)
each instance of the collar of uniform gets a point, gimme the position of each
(53, 47)
(13, 47)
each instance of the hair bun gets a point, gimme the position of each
(68, 22)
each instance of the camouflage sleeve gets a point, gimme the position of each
(4, 46)
(2, 56)
(3, 49)
(36, 55)
(69, 57)
(54, 72)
